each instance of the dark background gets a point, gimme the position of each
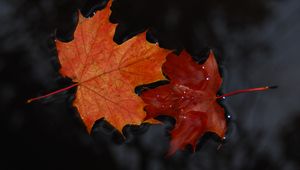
(257, 42)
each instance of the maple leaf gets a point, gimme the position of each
(191, 98)
(107, 73)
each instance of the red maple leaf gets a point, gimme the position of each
(191, 98)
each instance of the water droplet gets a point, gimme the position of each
(203, 67)
(224, 138)
(184, 92)
(182, 97)
(223, 97)
(207, 78)
(170, 106)
(228, 116)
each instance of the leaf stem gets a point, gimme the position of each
(52, 93)
(246, 91)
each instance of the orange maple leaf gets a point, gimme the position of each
(107, 73)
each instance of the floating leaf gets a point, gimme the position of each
(107, 73)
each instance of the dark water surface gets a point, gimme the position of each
(257, 42)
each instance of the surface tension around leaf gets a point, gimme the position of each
(190, 98)
(107, 73)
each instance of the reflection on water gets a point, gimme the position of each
(256, 41)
